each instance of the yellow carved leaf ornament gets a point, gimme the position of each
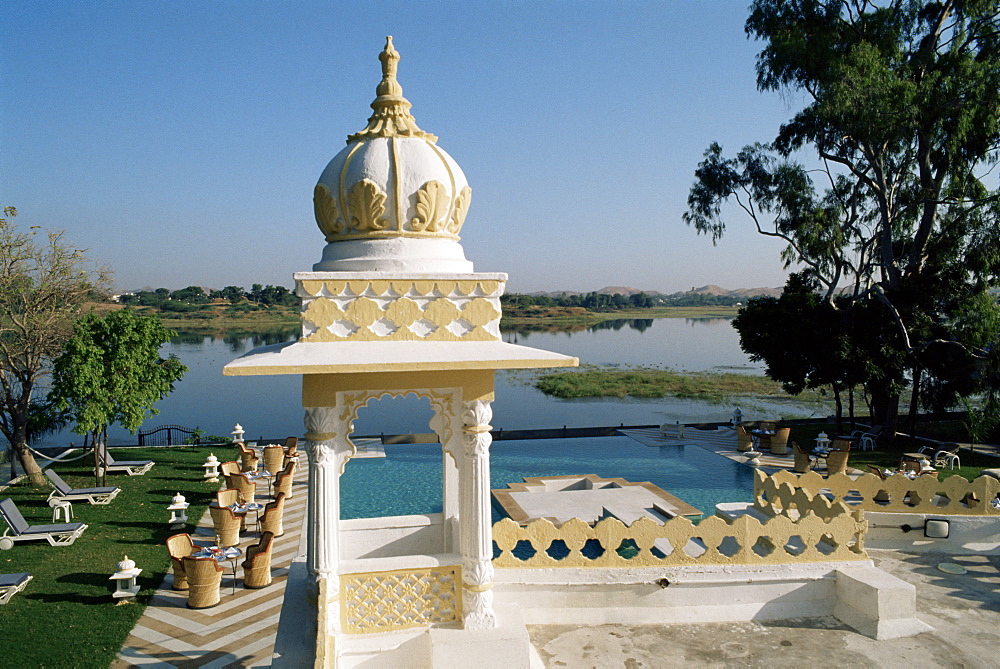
(325, 209)
(366, 202)
(431, 208)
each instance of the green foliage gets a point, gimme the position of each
(44, 284)
(269, 295)
(111, 371)
(653, 383)
(191, 295)
(982, 422)
(897, 221)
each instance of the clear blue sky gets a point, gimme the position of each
(180, 141)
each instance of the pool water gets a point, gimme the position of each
(408, 479)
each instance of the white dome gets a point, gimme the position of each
(392, 200)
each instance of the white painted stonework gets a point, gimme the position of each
(394, 255)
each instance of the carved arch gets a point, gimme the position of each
(446, 404)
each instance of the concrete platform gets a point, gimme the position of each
(964, 611)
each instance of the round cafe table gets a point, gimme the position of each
(231, 554)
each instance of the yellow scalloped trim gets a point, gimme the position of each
(312, 287)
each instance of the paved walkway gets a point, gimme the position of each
(721, 441)
(241, 630)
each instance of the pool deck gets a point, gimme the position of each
(253, 628)
(964, 611)
(722, 442)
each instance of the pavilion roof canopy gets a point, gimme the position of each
(391, 356)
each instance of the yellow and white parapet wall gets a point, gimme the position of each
(395, 322)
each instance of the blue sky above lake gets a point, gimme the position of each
(180, 141)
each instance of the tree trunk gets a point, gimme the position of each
(28, 464)
(885, 410)
(840, 407)
(850, 405)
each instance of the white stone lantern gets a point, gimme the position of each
(211, 468)
(178, 509)
(737, 416)
(124, 578)
(237, 433)
(822, 441)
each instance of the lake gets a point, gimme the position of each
(270, 406)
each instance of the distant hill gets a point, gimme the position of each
(711, 289)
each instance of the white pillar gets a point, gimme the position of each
(328, 450)
(447, 424)
(475, 517)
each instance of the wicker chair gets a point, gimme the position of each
(227, 525)
(230, 467)
(274, 458)
(248, 457)
(257, 566)
(803, 461)
(204, 578)
(180, 546)
(877, 471)
(242, 482)
(228, 497)
(779, 441)
(744, 442)
(291, 446)
(283, 480)
(271, 519)
(769, 425)
(882, 496)
(836, 459)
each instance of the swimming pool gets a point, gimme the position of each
(408, 479)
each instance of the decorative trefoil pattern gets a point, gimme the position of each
(361, 310)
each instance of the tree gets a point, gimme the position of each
(232, 293)
(111, 372)
(44, 285)
(895, 221)
(802, 341)
(191, 295)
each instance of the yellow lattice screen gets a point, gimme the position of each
(394, 600)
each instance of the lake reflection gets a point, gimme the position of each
(685, 344)
(270, 406)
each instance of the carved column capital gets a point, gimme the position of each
(476, 427)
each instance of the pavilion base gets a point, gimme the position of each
(505, 647)
(872, 601)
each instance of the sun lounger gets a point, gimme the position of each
(11, 584)
(20, 530)
(130, 467)
(92, 495)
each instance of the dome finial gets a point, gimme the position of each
(390, 61)
(392, 116)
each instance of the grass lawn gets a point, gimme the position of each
(66, 616)
(642, 382)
